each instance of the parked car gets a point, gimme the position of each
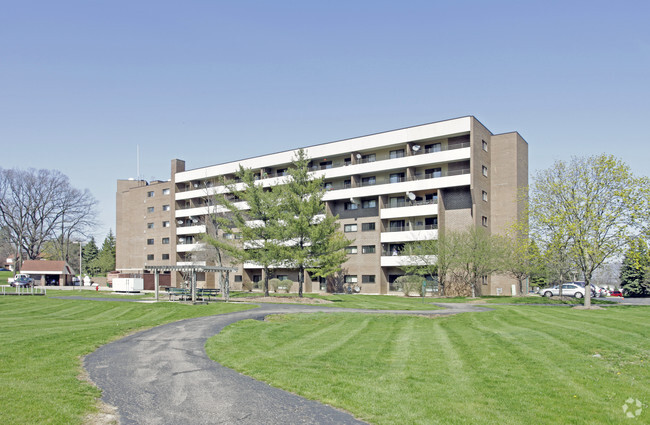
(22, 282)
(616, 293)
(568, 290)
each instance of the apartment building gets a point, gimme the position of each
(388, 189)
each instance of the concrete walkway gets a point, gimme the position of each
(163, 376)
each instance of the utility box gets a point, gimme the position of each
(128, 284)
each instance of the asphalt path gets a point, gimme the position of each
(164, 376)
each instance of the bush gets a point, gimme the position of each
(287, 285)
(247, 286)
(410, 284)
(274, 284)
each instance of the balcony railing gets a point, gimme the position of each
(412, 228)
(343, 163)
(412, 203)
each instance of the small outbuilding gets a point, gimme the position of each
(45, 272)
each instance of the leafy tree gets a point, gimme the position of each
(314, 241)
(410, 283)
(476, 255)
(635, 273)
(222, 248)
(40, 205)
(587, 210)
(429, 259)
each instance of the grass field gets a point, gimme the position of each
(514, 365)
(42, 340)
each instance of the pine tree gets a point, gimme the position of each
(635, 273)
(314, 242)
(89, 255)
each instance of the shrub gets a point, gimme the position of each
(410, 284)
(274, 284)
(287, 285)
(247, 286)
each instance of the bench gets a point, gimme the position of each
(186, 294)
(204, 293)
(179, 293)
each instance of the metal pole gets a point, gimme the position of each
(193, 283)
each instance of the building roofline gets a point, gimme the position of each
(333, 141)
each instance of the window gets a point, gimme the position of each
(282, 277)
(325, 165)
(238, 235)
(433, 173)
(149, 257)
(484, 221)
(166, 191)
(368, 181)
(165, 241)
(369, 203)
(436, 147)
(149, 209)
(367, 227)
(150, 194)
(396, 177)
(368, 278)
(165, 256)
(399, 153)
(328, 186)
(281, 172)
(484, 195)
(484, 280)
(149, 225)
(238, 278)
(351, 278)
(484, 145)
(347, 161)
(165, 223)
(149, 241)
(368, 158)
(347, 184)
(165, 207)
(397, 226)
(368, 249)
(397, 201)
(351, 250)
(485, 171)
(351, 206)
(350, 228)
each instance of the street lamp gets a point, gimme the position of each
(81, 244)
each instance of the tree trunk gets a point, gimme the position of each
(301, 279)
(587, 293)
(266, 282)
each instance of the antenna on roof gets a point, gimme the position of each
(137, 161)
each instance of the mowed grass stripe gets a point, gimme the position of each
(499, 367)
(42, 340)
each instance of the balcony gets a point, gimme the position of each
(421, 233)
(389, 260)
(414, 209)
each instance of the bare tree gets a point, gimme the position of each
(40, 205)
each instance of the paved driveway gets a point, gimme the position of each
(163, 376)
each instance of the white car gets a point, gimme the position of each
(568, 290)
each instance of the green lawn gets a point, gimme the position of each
(4, 276)
(369, 302)
(42, 340)
(91, 293)
(514, 365)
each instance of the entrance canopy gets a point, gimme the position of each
(193, 269)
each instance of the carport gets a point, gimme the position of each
(193, 270)
(47, 272)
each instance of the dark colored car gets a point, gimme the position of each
(22, 282)
(616, 294)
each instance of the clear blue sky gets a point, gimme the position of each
(83, 82)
